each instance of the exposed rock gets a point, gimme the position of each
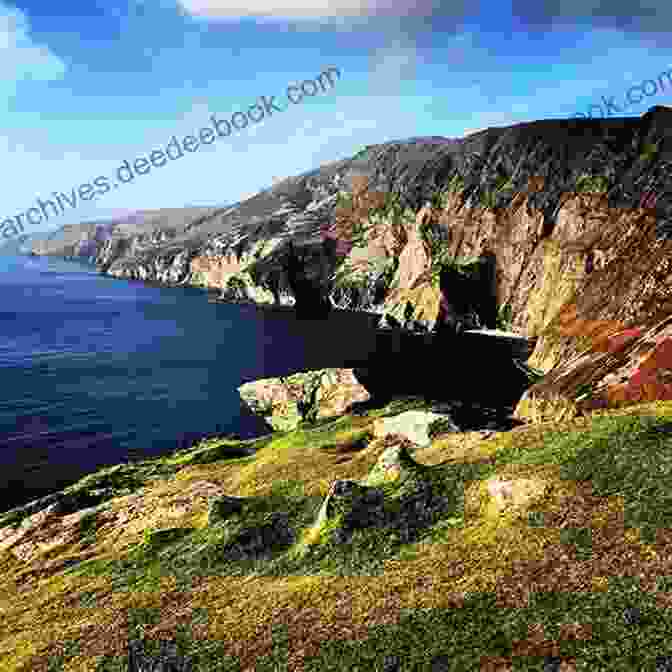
(412, 296)
(620, 368)
(57, 503)
(307, 396)
(416, 426)
(616, 319)
(357, 505)
(514, 494)
(103, 242)
(58, 518)
(417, 326)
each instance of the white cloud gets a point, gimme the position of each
(280, 8)
(299, 9)
(20, 57)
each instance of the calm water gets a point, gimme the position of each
(96, 371)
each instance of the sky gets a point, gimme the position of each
(86, 85)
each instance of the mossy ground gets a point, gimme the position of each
(479, 589)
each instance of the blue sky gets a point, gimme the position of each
(89, 84)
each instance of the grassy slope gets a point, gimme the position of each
(480, 588)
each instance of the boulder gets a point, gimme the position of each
(394, 463)
(351, 505)
(358, 505)
(310, 395)
(505, 495)
(416, 426)
(515, 493)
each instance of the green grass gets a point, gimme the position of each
(649, 151)
(489, 198)
(629, 456)
(505, 318)
(592, 184)
(361, 153)
(482, 628)
(456, 183)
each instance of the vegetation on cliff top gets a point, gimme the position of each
(579, 572)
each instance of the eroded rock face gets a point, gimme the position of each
(311, 301)
(616, 369)
(615, 316)
(311, 395)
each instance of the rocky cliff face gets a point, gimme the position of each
(564, 226)
(102, 242)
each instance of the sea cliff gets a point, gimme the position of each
(557, 229)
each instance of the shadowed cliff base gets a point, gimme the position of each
(462, 369)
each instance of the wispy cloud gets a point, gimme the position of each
(20, 57)
(304, 9)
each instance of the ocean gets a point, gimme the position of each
(97, 371)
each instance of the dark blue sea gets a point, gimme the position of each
(97, 371)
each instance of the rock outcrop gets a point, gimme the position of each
(308, 396)
(417, 426)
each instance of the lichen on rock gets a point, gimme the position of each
(305, 396)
